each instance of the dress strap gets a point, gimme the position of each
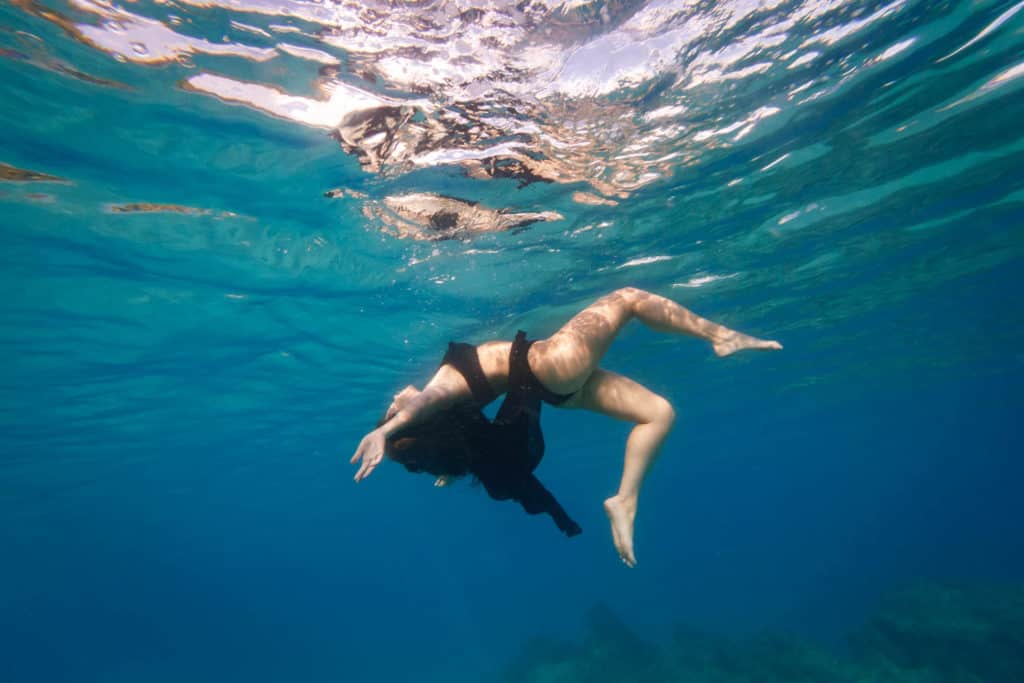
(521, 377)
(464, 358)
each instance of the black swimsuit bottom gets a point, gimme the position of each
(510, 447)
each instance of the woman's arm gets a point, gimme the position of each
(445, 389)
(401, 398)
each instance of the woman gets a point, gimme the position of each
(441, 430)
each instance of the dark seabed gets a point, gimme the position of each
(232, 229)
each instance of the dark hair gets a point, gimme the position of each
(441, 445)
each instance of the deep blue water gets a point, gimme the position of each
(195, 337)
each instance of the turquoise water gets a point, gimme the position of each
(232, 230)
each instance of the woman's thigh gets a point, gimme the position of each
(564, 361)
(620, 397)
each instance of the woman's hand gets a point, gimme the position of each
(401, 399)
(371, 452)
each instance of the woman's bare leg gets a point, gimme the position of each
(564, 361)
(567, 362)
(620, 397)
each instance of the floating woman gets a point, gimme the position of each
(441, 430)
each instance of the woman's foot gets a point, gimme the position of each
(621, 513)
(737, 341)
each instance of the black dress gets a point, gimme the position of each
(509, 448)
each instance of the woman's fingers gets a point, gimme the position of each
(371, 451)
(364, 470)
(393, 408)
(400, 399)
(369, 464)
(359, 451)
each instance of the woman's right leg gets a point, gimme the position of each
(622, 398)
(565, 360)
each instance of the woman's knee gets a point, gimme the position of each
(630, 294)
(631, 298)
(662, 412)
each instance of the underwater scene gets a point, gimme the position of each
(234, 231)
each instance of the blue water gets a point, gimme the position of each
(195, 337)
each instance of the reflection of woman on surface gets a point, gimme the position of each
(441, 430)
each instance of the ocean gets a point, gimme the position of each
(233, 229)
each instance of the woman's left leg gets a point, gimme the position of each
(620, 397)
(564, 361)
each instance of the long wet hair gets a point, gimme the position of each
(442, 445)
